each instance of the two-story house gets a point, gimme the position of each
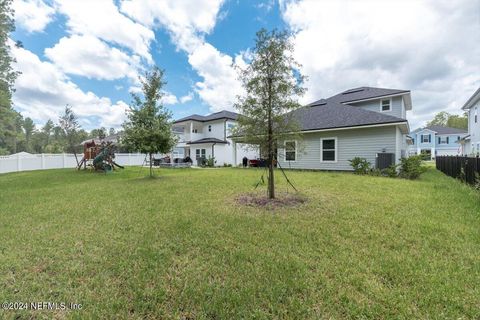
(363, 122)
(208, 136)
(471, 143)
(437, 141)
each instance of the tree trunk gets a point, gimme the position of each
(151, 163)
(271, 182)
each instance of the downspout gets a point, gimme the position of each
(213, 149)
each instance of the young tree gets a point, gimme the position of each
(70, 127)
(272, 84)
(148, 128)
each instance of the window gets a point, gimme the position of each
(443, 140)
(194, 130)
(425, 138)
(209, 128)
(328, 150)
(230, 126)
(385, 105)
(290, 150)
(476, 115)
(200, 153)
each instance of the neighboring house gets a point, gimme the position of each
(363, 122)
(207, 136)
(471, 143)
(437, 141)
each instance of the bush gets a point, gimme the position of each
(391, 171)
(360, 165)
(411, 168)
(210, 162)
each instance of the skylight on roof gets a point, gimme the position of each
(353, 90)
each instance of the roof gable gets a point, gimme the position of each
(472, 100)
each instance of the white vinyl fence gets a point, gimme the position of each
(56, 161)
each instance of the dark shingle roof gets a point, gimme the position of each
(207, 140)
(329, 115)
(214, 116)
(361, 93)
(446, 130)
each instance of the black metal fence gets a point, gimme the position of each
(464, 168)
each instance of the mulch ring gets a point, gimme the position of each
(282, 200)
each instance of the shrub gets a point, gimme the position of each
(391, 171)
(210, 162)
(411, 167)
(360, 165)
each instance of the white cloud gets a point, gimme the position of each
(43, 90)
(220, 85)
(32, 15)
(169, 98)
(429, 47)
(92, 58)
(183, 18)
(103, 20)
(188, 21)
(187, 98)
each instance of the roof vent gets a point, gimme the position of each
(353, 90)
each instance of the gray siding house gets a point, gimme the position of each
(471, 143)
(361, 122)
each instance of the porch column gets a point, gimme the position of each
(234, 144)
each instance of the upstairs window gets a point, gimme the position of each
(209, 128)
(443, 140)
(328, 152)
(290, 150)
(194, 131)
(425, 138)
(385, 105)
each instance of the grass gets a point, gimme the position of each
(180, 247)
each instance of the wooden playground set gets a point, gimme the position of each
(98, 155)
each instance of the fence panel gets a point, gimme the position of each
(459, 167)
(58, 161)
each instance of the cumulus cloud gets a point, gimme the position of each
(32, 15)
(187, 98)
(90, 57)
(220, 85)
(43, 90)
(103, 20)
(188, 22)
(169, 98)
(184, 19)
(429, 47)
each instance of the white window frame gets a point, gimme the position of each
(285, 148)
(443, 140)
(389, 105)
(209, 128)
(336, 150)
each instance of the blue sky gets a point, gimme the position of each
(88, 54)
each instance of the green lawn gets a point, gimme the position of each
(180, 247)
